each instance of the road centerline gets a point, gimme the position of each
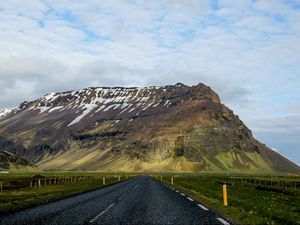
(123, 196)
(126, 193)
(101, 213)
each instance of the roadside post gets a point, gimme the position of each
(103, 179)
(119, 178)
(225, 195)
(1, 186)
(172, 180)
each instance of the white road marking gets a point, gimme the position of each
(135, 187)
(203, 207)
(223, 221)
(123, 196)
(190, 199)
(100, 214)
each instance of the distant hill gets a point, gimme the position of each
(168, 128)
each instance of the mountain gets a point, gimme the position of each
(169, 128)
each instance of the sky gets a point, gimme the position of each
(248, 51)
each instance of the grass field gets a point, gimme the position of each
(249, 203)
(17, 194)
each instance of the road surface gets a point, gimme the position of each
(139, 201)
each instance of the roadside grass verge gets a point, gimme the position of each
(248, 204)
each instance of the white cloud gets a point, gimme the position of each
(248, 51)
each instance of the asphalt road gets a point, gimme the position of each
(140, 200)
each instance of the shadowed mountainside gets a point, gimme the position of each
(10, 161)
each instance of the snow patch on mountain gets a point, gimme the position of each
(88, 108)
(90, 102)
(4, 112)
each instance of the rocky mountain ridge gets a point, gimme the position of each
(169, 128)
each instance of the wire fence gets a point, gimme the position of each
(40, 181)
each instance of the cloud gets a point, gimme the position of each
(248, 51)
(280, 132)
(283, 124)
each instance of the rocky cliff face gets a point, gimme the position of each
(170, 128)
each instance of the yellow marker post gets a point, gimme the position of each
(172, 180)
(225, 195)
(119, 178)
(103, 179)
